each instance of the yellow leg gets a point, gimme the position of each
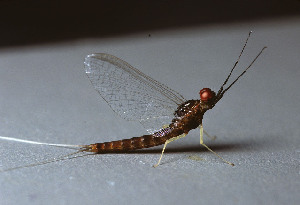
(167, 142)
(211, 137)
(201, 142)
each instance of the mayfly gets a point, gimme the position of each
(136, 96)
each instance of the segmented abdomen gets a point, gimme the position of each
(134, 143)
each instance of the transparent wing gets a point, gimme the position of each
(130, 93)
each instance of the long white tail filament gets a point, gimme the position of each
(80, 148)
(40, 143)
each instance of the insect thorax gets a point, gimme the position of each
(186, 107)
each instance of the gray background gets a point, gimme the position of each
(46, 97)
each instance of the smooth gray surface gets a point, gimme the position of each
(45, 96)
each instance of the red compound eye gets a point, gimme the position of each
(206, 94)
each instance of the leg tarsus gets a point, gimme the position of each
(167, 142)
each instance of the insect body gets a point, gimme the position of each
(189, 119)
(135, 96)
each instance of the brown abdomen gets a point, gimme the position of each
(134, 143)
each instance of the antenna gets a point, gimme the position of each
(235, 64)
(222, 90)
(245, 70)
